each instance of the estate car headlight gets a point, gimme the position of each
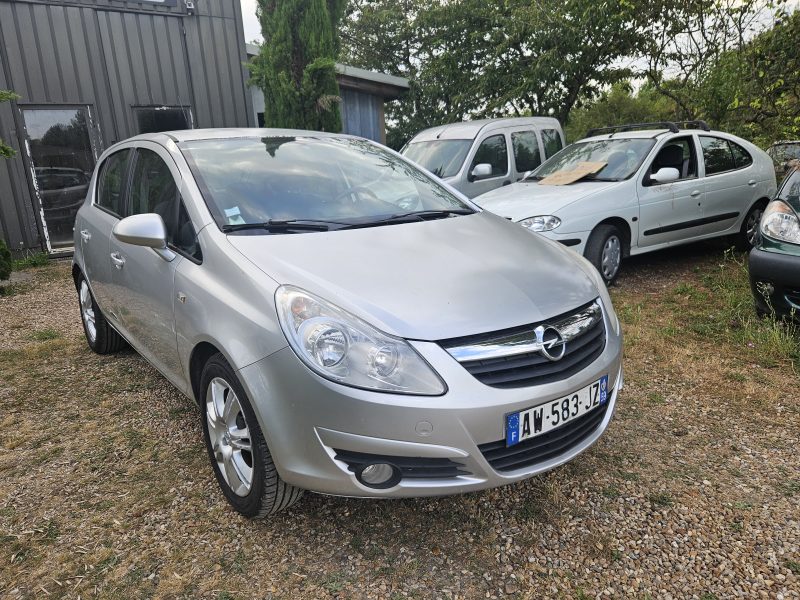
(343, 348)
(780, 222)
(541, 223)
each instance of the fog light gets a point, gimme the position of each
(379, 475)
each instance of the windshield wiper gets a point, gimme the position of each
(282, 225)
(410, 217)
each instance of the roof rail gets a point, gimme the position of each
(694, 124)
(631, 126)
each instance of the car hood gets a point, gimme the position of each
(528, 199)
(429, 280)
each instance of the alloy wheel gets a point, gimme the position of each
(87, 311)
(611, 257)
(229, 436)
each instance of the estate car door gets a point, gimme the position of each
(143, 277)
(493, 150)
(526, 150)
(671, 211)
(95, 225)
(730, 183)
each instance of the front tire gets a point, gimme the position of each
(236, 446)
(604, 250)
(101, 337)
(748, 234)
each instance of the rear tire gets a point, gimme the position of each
(236, 446)
(101, 337)
(748, 234)
(604, 250)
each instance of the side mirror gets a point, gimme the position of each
(665, 175)
(142, 230)
(481, 171)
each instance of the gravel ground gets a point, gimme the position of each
(694, 492)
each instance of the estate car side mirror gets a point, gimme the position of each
(481, 171)
(665, 175)
(146, 230)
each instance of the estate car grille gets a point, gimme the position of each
(543, 447)
(411, 467)
(518, 357)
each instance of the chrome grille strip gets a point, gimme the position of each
(526, 342)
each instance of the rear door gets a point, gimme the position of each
(526, 150)
(552, 141)
(671, 211)
(143, 278)
(491, 149)
(97, 221)
(730, 180)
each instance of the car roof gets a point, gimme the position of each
(469, 130)
(650, 134)
(190, 135)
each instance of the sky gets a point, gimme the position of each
(252, 30)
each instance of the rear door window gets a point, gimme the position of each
(111, 185)
(552, 142)
(493, 150)
(526, 150)
(717, 155)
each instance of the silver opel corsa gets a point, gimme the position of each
(347, 323)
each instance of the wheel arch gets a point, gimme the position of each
(624, 228)
(197, 360)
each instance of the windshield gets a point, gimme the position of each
(784, 152)
(790, 190)
(443, 158)
(334, 180)
(623, 157)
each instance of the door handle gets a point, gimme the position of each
(752, 182)
(117, 259)
(695, 194)
(86, 235)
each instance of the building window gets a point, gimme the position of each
(153, 119)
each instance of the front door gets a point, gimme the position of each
(143, 279)
(672, 211)
(58, 144)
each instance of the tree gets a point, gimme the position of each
(296, 64)
(5, 150)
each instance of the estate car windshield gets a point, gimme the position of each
(623, 157)
(288, 184)
(443, 158)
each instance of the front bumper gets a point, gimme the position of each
(573, 241)
(775, 282)
(308, 421)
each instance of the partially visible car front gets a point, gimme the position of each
(774, 262)
(785, 156)
(566, 213)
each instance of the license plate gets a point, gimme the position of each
(529, 423)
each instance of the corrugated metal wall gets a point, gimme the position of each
(113, 55)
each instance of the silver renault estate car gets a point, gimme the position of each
(346, 322)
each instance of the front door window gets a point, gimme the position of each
(61, 152)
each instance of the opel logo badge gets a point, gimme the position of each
(551, 342)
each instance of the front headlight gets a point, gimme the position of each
(541, 223)
(593, 274)
(343, 348)
(780, 222)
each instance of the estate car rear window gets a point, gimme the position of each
(332, 182)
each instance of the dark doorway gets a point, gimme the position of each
(153, 119)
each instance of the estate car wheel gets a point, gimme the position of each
(239, 455)
(101, 337)
(604, 250)
(749, 232)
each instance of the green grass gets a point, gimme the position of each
(39, 259)
(42, 335)
(793, 566)
(660, 499)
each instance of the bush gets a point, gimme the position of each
(5, 261)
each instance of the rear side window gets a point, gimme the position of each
(493, 150)
(153, 190)
(552, 142)
(717, 155)
(111, 186)
(741, 156)
(526, 150)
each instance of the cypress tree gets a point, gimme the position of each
(296, 66)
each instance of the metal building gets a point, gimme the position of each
(92, 72)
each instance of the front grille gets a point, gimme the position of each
(543, 447)
(532, 368)
(411, 467)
